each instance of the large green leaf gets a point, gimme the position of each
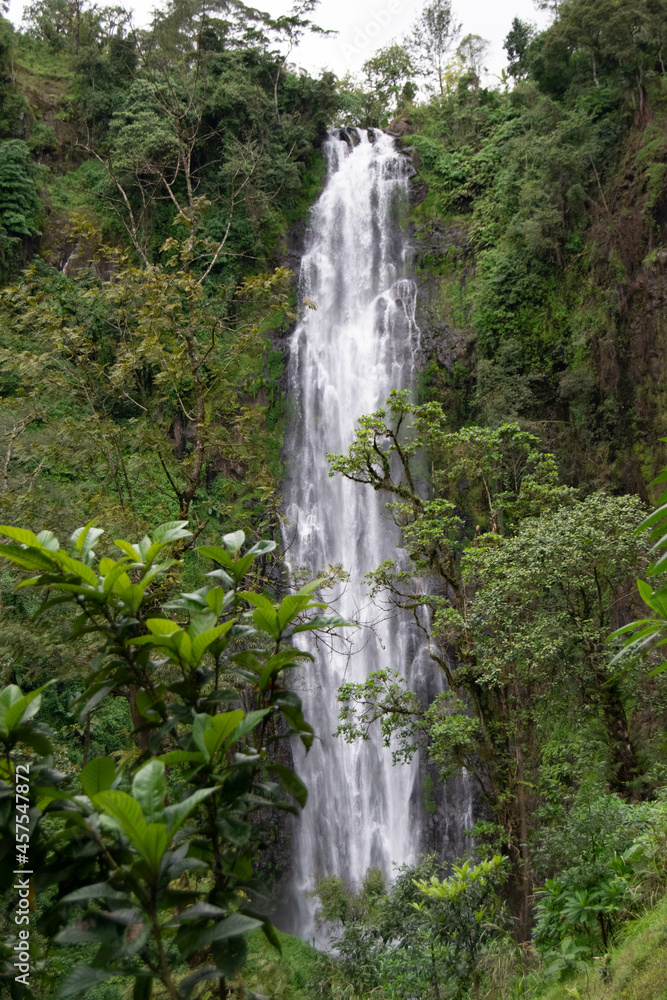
(261, 548)
(34, 736)
(292, 605)
(98, 776)
(199, 910)
(201, 643)
(16, 708)
(97, 693)
(155, 844)
(171, 531)
(11, 695)
(220, 728)
(292, 783)
(183, 645)
(267, 622)
(653, 518)
(21, 535)
(235, 925)
(127, 812)
(28, 557)
(77, 568)
(48, 541)
(145, 703)
(84, 978)
(176, 814)
(181, 757)
(99, 890)
(162, 626)
(258, 601)
(215, 599)
(234, 541)
(149, 788)
(129, 549)
(248, 723)
(323, 621)
(85, 538)
(230, 954)
(202, 622)
(267, 927)
(131, 596)
(217, 554)
(201, 723)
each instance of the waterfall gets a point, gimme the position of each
(345, 357)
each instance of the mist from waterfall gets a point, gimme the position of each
(346, 355)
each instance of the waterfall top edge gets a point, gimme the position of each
(354, 135)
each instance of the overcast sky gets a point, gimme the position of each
(366, 25)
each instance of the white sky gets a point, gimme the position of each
(367, 25)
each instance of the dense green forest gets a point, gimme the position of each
(155, 186)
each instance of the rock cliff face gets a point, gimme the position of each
(600, 399)
(441, 250)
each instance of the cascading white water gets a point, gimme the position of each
(345, 357)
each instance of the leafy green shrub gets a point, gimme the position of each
(425, 935)
(42, 139)
(174, 866)
(19, 202)
(607, 857)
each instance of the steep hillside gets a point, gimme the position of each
(544, 271)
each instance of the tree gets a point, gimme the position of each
(514, 612)
(209, 708)
(425, 934)
(433, 34)
(620, 39)
(464, 911)
(553, 6)
(656, 27)
(197, 129)
(389, 74)
(290, 29)
(62, 24)
(516, 45)
(472, 51)
(164, 355)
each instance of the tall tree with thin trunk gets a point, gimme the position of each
(433, 35)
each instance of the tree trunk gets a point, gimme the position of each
(624, 753)
(526, 886)
(143, 738)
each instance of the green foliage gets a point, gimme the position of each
(516, 46)
(388, 76)
(433, 35)
(463, 910)
(644, 633)
(144, 390)
(529, 603)
(19, 204)
(138, 848)
(525, 178)
(422, 935)
(296, 973)
(594, 888)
